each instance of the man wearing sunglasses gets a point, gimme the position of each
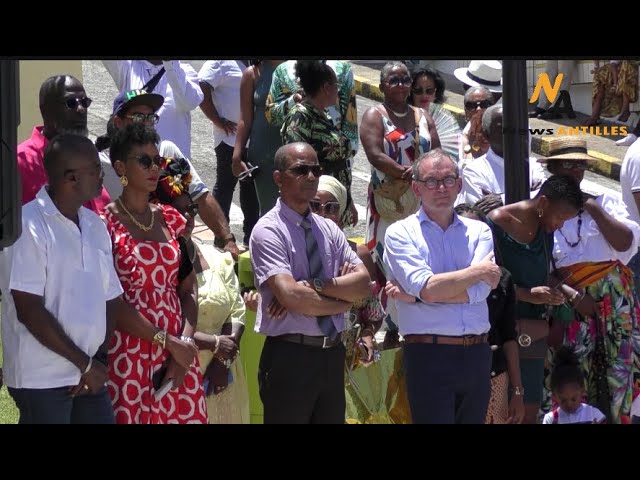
(304, 261)
(178, 85)
(63, 105)
(139, 106)
(485, 174)
(446, 263)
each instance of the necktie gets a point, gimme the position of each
(315, 270)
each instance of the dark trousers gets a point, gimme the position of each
(55, 405)
(301, 384)
(636, 130)
(226, 184)
(448, 383)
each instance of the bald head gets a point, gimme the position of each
(63, 105)
(288, 153)
(492, 127)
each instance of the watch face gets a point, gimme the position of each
(318, 284)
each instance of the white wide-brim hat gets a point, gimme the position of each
(482, 73)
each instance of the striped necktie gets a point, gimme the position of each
(316, 271)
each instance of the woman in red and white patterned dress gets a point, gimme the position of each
(147, 258)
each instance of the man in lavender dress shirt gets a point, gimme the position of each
(301, 372)
(446, 263)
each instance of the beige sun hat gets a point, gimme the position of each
(567, 148)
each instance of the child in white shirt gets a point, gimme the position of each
(567, 387)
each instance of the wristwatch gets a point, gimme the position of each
(318, 285)
(222, 242)
(518, 391)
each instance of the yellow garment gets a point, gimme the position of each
(627, 84)
(220, 302)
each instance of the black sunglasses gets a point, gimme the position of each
(303, 170)
(474, 105)
(396, 81)
(146, 161)
(144, 117)
(72, 102)
(434, 183)
(329, 208)
(574, 164)
(424, 91)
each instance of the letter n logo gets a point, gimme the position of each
(545, 84)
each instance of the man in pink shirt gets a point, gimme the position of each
(63, 105)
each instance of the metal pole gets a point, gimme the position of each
(516, 130)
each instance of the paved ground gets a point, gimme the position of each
(102, 90)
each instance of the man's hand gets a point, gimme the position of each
(489, 271)
(238, 165)
(489, 202)
(395, 291)
(354, 214)
(92, 381)
(232, 248)
(228, 126)
(275, 310)
(251, 300)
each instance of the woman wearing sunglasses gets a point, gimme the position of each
(472, 143)
(393, 134)
(591, 252)
(147, 258)
(221, 308)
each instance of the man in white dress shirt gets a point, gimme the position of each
(178, 85)
(485, 174)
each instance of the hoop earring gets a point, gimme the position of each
(124, 180)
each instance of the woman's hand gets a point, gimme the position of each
(516, 409)
(545, 296)
(227, 348)
(175, 372)
(251, 300)
(218, 376)
(182, 352)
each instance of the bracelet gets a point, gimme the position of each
(217, 345)
(89, 365)
(160, 338)
(518, 391)
(187, 339)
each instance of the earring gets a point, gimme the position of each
(124, 180)
(540, 213)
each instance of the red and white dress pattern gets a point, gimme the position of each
(148, 272)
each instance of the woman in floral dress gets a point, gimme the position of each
(147, 257)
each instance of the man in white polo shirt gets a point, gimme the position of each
(61, 296)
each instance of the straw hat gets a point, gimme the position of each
(567, 148)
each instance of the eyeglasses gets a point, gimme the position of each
(474, 105)
(146, 161)
(424, 91)
(73, 102)
(144, 118)
(397, 81)
(329, 208)
(303, 170)
(573, 164)
(434, 183)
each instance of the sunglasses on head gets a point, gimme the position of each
(574, 164)
(72, 102)
(146, 161)
(303, 170)
(474, 105)
(434, 183)
(329, 208)
(144, 117)
(396, 81)
(424, 91)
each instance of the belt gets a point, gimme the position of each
(465, 341)
(320, 342)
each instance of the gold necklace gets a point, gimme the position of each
(142, 227)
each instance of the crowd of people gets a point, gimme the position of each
(113, 312)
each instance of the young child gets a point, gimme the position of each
(567, 386)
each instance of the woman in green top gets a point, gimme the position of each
(523, 237)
